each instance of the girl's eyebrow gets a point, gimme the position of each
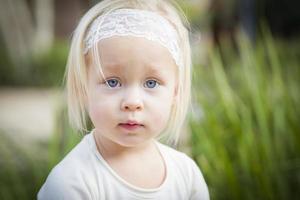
(155, 69)
(149, 68)
(111, 67)
(154, 72)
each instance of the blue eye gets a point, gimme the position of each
(113, 83)
(151, 83)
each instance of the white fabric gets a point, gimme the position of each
(84, 175)
(137, 23)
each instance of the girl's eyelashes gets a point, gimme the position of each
(151, 83)
(113, 82)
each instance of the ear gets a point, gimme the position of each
(176, 87)
(176, 90)
(175, 96)
(85, 99)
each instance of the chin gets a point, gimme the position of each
(133, 142)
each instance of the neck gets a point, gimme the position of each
(110, 149)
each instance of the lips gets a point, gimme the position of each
(131, 125)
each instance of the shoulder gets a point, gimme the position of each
(67, 180)
(59, 186)
(178, 158)
(199, 189)
(192, 174)
(62, 185)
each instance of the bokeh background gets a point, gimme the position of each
(244, 128)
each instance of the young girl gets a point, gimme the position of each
(129, 72)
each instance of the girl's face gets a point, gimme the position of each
(132, 103)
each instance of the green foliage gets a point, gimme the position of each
(48, 69)
(245, 136)
(64, 139)
(246, 131)
(196, 13)
(42, 70)
(23, 170)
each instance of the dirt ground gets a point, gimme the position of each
(28, 114)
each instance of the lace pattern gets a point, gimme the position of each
(137, 23)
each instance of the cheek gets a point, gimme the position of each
(161, 111)
(96, 114)
(100, 111)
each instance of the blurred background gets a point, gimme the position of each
(244, 131)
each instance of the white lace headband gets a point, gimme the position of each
(138, 23)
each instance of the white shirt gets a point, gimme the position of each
(84, 175)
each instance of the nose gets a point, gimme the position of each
(132, 100)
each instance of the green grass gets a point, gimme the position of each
(43, 70)
(23, 170)
(245, 134)
(247, 138)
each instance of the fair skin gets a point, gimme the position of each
(131, 105)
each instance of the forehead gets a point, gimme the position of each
(127, 50)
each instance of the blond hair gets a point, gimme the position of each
(76, 69)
